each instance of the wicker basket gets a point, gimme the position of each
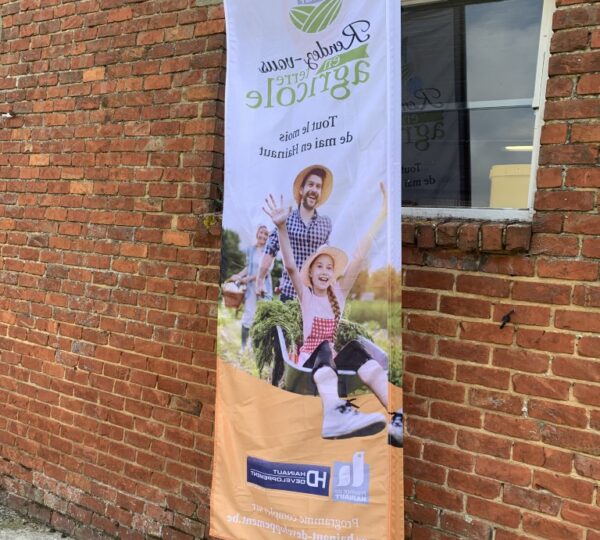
(233, 298)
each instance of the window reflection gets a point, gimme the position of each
(468, 78)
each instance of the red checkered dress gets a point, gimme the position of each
(321, 330)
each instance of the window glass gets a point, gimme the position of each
(468, 78)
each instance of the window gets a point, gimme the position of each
(472, 74)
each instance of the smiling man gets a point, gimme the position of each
(307, 228)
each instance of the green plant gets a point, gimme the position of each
(288, 316)
(263, 333)
(363, 311)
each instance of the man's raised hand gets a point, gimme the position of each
(278, 213)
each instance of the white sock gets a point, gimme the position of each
(375, 377)
(327, 383)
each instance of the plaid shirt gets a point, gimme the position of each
(304, 241)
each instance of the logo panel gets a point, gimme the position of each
(312, 479)
(351, 480)
(313, 16)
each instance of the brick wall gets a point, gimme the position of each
(504, 423)
(110, 174)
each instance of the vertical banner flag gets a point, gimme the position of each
(309, 421)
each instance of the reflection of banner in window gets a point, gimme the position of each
(435, 122)
(308, 121)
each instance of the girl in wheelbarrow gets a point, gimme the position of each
(322, 286)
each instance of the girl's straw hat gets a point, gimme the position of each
(325, 189)
(340, 261)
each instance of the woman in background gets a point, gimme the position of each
(247, 276)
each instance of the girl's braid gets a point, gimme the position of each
(337, 314)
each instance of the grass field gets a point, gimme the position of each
(373, 314)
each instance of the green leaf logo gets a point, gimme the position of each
(315, 15)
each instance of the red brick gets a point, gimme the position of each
(555, 245)
(546, 293)
(542, 456)
(577, 320)
(511, 265)
(571, 439)
(432, 324)
(483, 376)
(532, 500)
(464, 350)
(426, 429)
(475, 284)
(448, 457)
(439, 496)
(413, 342)
(558, 413)
(491, 237)
(540, 386)
(494, 512)
(564, 200)
(420, 513)
(455, 414)
(506, 535)
(587, 394)
(584, 515)
(545, 341)
(569, 40)
(517, 237)
(575, 368)
(564, 486)
(465, 526)
(586, 295)
(496, 401)
(468, 236)
(424, 470)
(447, 233)
(475, 485)
(504, 471)
(580, 154)
(520, 428)
(585, 133)
(428, 279)
(554, 134)
(559, 87)
(440, 390)
(582, 224)
(409, 231)
(425, 235)
(550, 529)
(489, 333)
(576, 17)
(588, 84)
(549, 177)
(571, 270)
(521, 360)
(583, 177)
(467, 307)
(587, 467)
(522, 314)
(433, 367)
(547, 223)
(419, 300)
(483, 444)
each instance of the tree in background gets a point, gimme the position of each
(379, 282)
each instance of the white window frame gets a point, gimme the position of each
(541, 78)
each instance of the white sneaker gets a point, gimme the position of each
(396, 429)
(344, 421)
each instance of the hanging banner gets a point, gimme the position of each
(308, 421)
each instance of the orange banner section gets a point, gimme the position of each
(256, 420)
